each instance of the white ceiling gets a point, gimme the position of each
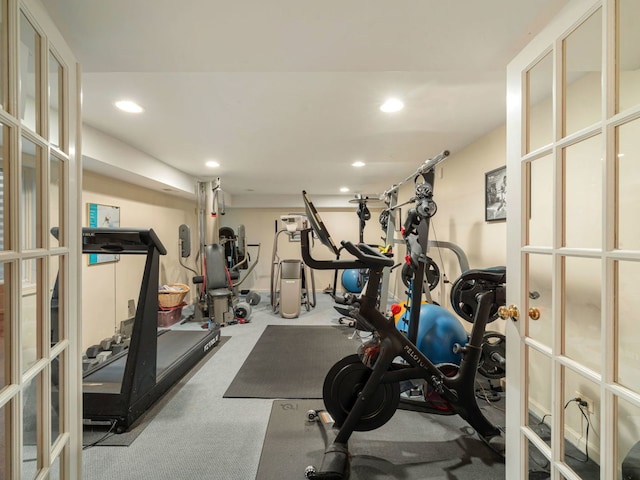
(285, 93)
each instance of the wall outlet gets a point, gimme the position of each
(131, 308)
(587, 400)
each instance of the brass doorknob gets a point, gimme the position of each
(506, 313)
(534, 313)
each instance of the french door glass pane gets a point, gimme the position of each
(30, 208)
(583, 194)
(627, 336)
(627, 191)
(583, 74)
(628, 51)
(55, 112)
(29, 69)
(5, 330)
(3, 24)
(31, 424)
(57, 309)
(538, 463)
(55, 474)
(4, 190)
(539, 104)
(582, 310)
(541, 202)
(578, 420)
(5, 431)
(628, 436)
(57, 367)
(56, 192)
(30, 317)
(539, 285)
(539, 406)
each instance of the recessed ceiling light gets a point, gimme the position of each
(344, 189)
(358, 164)
(392, 105)
(129, 106)
(212, 164)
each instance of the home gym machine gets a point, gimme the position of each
(353, 280)
(362, 391)
(222, 255)
(120, 389)
(292, 282)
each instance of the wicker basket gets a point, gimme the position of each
(172, 298)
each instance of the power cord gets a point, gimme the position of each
(103, 438)
(581, 404)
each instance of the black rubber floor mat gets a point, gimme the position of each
(291, 361)
(410, 446)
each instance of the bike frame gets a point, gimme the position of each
(459, 389)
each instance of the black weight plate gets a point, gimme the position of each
(464, 299)
(342, 386)
(490, 366)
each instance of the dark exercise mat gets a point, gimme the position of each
(100, 435)
(291, 361)
(410, 446)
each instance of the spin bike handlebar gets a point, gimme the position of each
(366, 256)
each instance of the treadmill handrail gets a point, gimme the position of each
(120, 240)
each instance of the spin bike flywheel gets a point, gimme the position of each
(341, 388)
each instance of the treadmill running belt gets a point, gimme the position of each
(172, 345)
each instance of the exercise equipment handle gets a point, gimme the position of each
(367, 254)
(499, 359)
(424, 168)
(372, 259)
(432, 162)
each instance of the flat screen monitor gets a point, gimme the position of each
(317, 224)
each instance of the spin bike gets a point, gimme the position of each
(362, 391)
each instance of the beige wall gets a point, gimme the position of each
(106, 288)
(460, 218)
(459, 193)
(260, 225)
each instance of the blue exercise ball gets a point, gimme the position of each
(438, 332)
(353, 280)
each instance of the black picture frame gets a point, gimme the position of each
(495, 195)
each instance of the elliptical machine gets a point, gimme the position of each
(362, 391)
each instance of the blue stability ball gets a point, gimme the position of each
(438, 332)
(352, 280)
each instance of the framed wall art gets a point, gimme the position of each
(495, 195)
(103, 216)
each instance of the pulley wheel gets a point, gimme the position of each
(464, 299)
(494, 353)
(384, 219)
(432, 271)
(341, 388)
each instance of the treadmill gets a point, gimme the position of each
(123, 387)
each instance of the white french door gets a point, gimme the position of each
(40, 392)
(573, 146)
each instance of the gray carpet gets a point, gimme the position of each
(291, 361)
(432, 446)
(98, 435)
